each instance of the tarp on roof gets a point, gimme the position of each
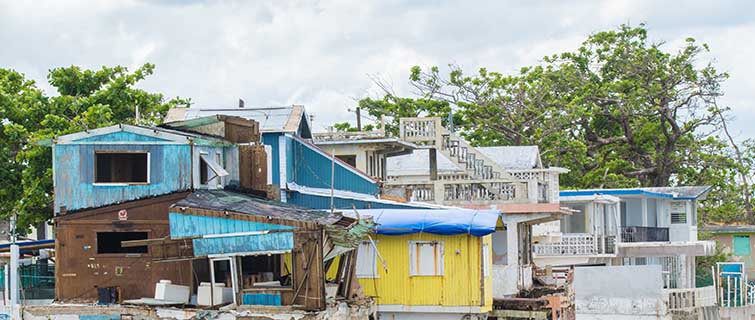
(443, 222)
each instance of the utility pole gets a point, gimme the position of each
(14, 267)
(359, 119)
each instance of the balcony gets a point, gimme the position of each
(644, 234)
(577, 244)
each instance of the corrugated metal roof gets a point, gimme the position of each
(677, 193)
(224, 200)
(507, 157)
(273, 119)
(729, 228)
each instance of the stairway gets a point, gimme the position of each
(429, 132)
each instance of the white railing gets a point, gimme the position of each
(579, 244)
(688, 299)
(481, 191)
(420, 129)
(465, 192)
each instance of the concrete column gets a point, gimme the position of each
(14, 302)
(512, 244)
(433, 164)
(644, 212)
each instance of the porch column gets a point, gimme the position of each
(512, 244)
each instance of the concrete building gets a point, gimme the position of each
(628, 227)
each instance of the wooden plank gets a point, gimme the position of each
(516, 314)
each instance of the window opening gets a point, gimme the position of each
(121, 167)
(110, 242)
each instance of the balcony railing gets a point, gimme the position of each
(689, 299)
(644, 234)
(577, 244)
(461, 192)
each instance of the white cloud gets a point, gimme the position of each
(320, 53)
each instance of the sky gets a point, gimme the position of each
(323, 54)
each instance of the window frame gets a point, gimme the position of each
(440, 262)
(149, 165)
(374, 272)
(685, 214)
(127, 255)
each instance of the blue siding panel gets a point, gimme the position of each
(182, 225)
(264, 299)
(271, 139)
(170, 171)
(313, 169)
(323, 202)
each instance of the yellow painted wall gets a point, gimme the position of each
(459, 286)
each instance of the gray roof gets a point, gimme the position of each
(507, 157)
(273, 119)
(224, 200)
(729, 228)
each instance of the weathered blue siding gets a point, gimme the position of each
(170, 171)
(262, 299)
(183, 225)
(307, 167)
(271, 139)
(323, 202)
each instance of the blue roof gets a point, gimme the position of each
(676, 193)
(443, 222)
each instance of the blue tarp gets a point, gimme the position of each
(444, 221)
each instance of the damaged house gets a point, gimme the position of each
(116, 184)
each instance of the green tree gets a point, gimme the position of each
(86, 99)
(619, 111)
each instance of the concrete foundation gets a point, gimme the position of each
(340, 311)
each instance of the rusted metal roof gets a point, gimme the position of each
(225, 200)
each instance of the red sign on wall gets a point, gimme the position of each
(123, 215)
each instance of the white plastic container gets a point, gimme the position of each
(222, 295)
(165, 290)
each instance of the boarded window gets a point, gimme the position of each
(367, 260)
(678, 212)
(110, 242)
(426, 258)
(351, 159)
(485, 260)
(741, 245)
(121, 167)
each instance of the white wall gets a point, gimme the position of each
(619, 292)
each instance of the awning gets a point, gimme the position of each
(214, 166)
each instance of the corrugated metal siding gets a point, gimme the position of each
(182, 225)
(459, 286)
(170, 171)
(271, 139)
(323, 202)
(264, 299)
(313, 169)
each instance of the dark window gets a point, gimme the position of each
(113, 167)
(203, 171)
(110, 242)
(349, 158)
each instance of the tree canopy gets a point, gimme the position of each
(85, 99)
(619, 111)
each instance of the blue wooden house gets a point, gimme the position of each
(116, 183)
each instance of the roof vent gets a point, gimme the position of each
(241, 103)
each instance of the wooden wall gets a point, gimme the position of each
(253, 167)
(80, 269)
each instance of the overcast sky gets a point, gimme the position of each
(320, 53)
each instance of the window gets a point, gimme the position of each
(485, 259)
(741, 245)
(110, 242)
(351, 159)
(121, 167)
(210, 169)
(678, 212)
(426, 258)
(367, 260)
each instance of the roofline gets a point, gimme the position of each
(615, 192)
(322, 152)
(174, 136)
